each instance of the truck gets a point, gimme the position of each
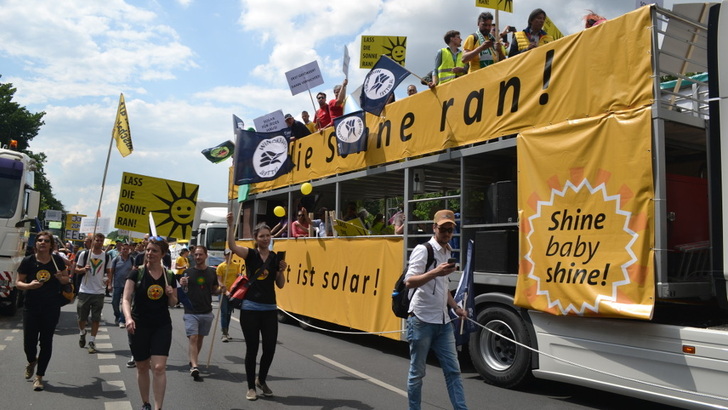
(209, 228)
(589, 186)
(18, 209)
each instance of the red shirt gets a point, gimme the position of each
(323, 118)
(335, 110)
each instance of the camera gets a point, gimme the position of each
(512, 29)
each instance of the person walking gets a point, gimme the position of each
(199, 283)
(258, 314)
(227, 272)
(148, 294)
(119, 272)
(94, 265)
(40, 275)
(428, 325)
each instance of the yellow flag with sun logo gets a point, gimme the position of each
(172, 204)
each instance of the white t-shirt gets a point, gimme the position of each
(93, 281)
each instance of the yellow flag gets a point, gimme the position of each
(121, 132)
(503, 5)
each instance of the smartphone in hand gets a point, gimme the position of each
(452, 261)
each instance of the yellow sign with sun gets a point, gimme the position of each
(374, 46)
(585, 200)
(171, 203)
(503, 5)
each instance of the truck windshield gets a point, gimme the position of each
(10, 177)
(215, 238)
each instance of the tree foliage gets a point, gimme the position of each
(19, 124)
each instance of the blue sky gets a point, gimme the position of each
(185, 66)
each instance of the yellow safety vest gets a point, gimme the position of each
(524, 41)
(444, 71)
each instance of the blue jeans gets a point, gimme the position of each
(440, 338)
(225, 312)
(115, 302)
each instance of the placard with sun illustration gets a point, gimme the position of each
(172, 204)
(394, 47)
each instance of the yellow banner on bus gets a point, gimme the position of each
(172, 204)
(585, 200)
(347, 281)
(531, 90)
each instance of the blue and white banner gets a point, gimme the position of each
(260, 156)
(380, 83)
(352, 134)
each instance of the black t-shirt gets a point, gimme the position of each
(151, 306)
(262, 289)
(47, 295)
(200, 285)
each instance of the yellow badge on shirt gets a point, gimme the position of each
(155, 292)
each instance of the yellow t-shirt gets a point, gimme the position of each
(232, 273)
(181, 263)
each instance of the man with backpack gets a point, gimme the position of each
(428, 325)
(94, 265)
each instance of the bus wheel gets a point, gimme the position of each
(304, 322)
(499, 361)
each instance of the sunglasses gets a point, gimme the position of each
(156, 239)
(43, 240)
(446, 230)
(300, 215)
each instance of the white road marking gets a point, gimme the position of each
(109, 368)
(107, 346)
(103, 337)
(361, 375)
(118, 405)
(113, 385)
(106, 356)
(9, 338)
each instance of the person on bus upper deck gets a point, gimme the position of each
(307, 122)
(481, 49)
(449, 60)
(411, 90)
(336, 105)
(429, 325)
(532, 36)
(593, 19)
(298, 129)
(322, 118)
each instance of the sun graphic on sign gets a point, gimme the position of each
(180, 211)
(397, 50)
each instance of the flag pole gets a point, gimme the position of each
(103, 184)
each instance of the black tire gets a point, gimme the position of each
(304, 322)
(501, 362)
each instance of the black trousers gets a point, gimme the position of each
(39, 324)
(259, 325)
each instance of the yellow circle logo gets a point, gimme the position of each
(155, 292)
(43, 275)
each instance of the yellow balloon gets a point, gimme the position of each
(279, 211)
(306, 188)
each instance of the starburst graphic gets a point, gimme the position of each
(546, 285)
(397, 50)
(180, 211)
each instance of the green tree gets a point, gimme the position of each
(19, 124)
(16, 122)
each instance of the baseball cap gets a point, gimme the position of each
(287, 116)
(444, 216)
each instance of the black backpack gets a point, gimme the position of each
(401, 295)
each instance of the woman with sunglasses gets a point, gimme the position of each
(300, 227)
(152, 290)
(41, 275)
(258, 314)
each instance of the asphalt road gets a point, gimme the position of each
(311, 370)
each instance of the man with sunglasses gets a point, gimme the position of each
(428, 324)
(94, 264)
